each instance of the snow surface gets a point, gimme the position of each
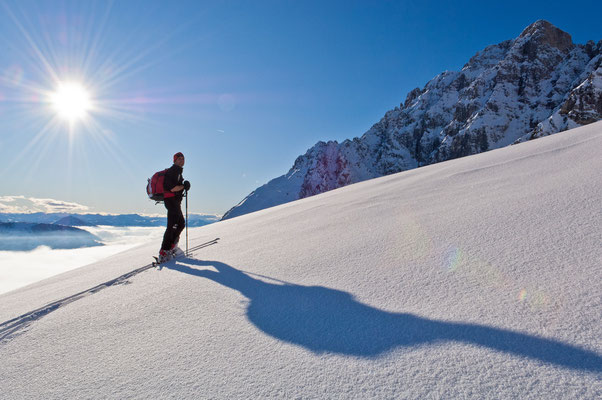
(473, 278)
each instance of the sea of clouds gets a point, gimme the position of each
(18, 268)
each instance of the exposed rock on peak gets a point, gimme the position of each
(413, 95)
(542, 32)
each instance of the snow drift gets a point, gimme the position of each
(472, 278)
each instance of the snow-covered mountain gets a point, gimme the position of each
(535, 85)
(477, 277)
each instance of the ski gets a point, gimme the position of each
(188, 253)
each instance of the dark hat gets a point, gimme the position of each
(177, 155)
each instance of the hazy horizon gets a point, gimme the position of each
(30, 205)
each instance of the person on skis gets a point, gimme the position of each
(174, 187)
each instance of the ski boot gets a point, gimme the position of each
(164, 256)
(175, 250)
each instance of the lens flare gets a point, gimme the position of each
(454, 258)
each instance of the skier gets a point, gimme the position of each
(174, 186)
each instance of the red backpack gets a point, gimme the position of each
(154, 189)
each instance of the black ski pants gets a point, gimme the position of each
(175, 222)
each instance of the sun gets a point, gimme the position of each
(71, 101)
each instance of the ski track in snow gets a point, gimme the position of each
(11, 328)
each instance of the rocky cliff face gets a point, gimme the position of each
(535, 85)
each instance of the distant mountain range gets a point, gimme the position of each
(535, 85)
(194, 220)
(23, 236)
(72, 220)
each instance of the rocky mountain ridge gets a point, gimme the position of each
(536, 85)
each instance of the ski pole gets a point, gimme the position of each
(187, 223)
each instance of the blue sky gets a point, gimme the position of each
(241, 87)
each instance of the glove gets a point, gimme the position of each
(186, 185)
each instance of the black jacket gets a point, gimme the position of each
(173, 178)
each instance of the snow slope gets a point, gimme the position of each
(473, 278)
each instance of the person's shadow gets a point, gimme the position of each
(327, 320)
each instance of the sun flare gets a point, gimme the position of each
(71, 101)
